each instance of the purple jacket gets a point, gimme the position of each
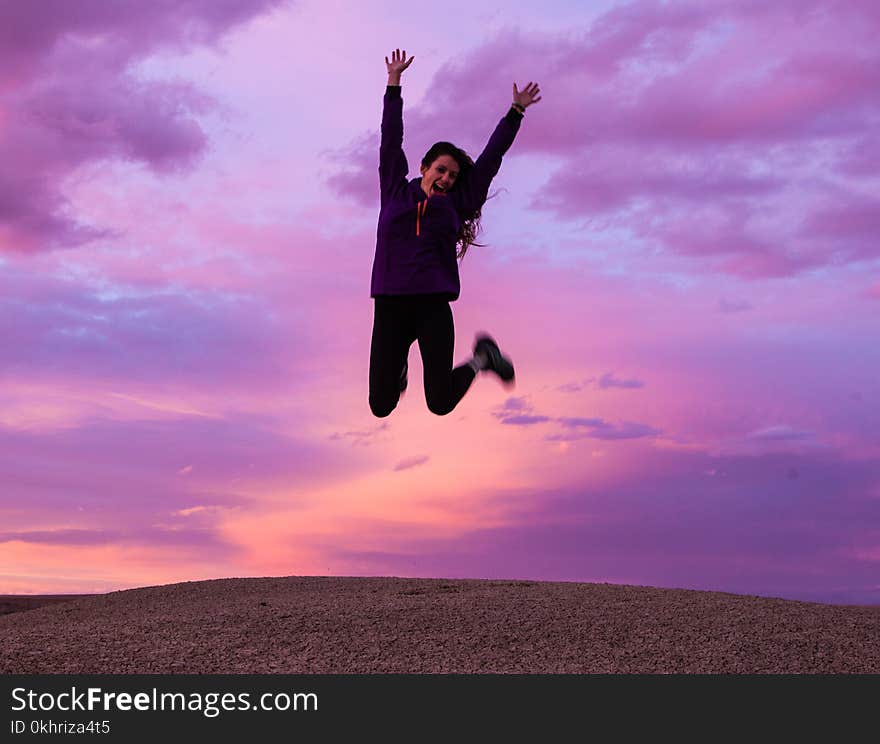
(416, 236)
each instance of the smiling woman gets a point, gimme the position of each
(439, 171)
(415, 271)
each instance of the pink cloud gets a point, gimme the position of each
(861, 157)
(411, 462)
(353, 181)
(517, 411)
(600, 429)
(120, 483)
(608, 380)
(851, 228)
(520, 412)
(70, 99)
(126, 28)
(615, 177)
(196, 337)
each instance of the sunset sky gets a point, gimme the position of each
(682, 259)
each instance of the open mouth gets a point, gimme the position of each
(438, 189)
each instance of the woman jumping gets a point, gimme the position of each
(425, 225)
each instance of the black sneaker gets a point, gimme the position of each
(498, 363)
(403, 380)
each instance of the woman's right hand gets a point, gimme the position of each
(398, 62)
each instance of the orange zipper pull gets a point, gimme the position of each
(420, 210)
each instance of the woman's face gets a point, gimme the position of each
(440, 177)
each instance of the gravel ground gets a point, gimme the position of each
(328, 625)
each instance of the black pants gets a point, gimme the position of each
(397, 322)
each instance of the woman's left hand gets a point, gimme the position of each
(526, 96)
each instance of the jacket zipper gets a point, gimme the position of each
(421, 208)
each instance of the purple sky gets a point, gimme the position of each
(683, 260)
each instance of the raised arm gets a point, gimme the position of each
(472, 192)
(392, 162)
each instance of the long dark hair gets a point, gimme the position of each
(470, 224)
